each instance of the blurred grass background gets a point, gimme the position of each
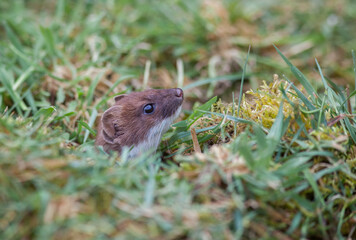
(61, 62)
(74, 40)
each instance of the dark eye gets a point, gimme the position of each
(148, 108)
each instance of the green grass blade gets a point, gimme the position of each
(353, 93)
(44, 113)
(302, 97)
(205, 81)
(60, 9)
(197, 113)
(94, 83)
(7, 81)
(295, 223)
(86, 126)
(228, 117)
(31, 100)
(310, 178)
(340, 221)
(91, 123)
(11, 35)
(20, 80)
(49, 40)
(275, 133)
(242, 81)
(326, 86)
(354, 62)
(351, 129)
(307, 103)
(299, 75)
(233, 111)
(150, 188)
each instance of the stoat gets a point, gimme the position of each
(138, 120)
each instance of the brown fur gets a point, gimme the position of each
(125, 124)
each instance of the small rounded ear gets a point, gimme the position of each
(109, 121)
(119, 97)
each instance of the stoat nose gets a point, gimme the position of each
(179, 92)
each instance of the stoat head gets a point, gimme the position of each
(139, 119)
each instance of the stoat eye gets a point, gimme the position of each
(149, 108)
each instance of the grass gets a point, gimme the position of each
(278, 162)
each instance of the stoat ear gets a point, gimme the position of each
(119, 97)
(109, 122)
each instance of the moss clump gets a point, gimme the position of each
(262, 107)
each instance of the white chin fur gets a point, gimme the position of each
(154, 136)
